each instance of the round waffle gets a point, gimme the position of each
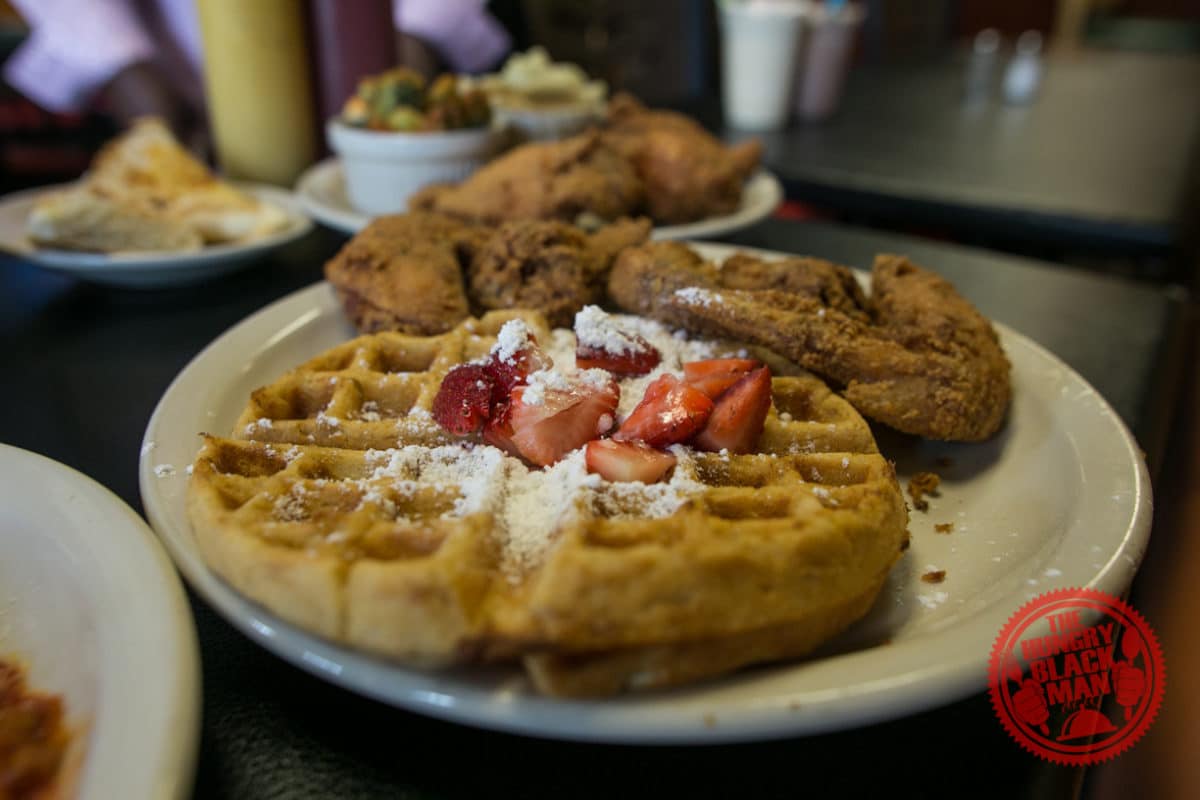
(340, 505)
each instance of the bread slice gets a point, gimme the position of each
(84, 219)
(146, 191)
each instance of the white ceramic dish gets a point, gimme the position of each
(148, 270)
(1060, 498)
(91, 605)
(383, 168)
(322, 192)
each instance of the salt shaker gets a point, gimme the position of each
(981, 65)
(1024, 71)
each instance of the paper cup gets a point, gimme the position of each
(760, 42)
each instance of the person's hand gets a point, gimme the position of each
(140, 90)
(414, 53)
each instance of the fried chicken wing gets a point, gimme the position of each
(549, 266)
(543, 180)
(688, 173)
(404, 273)
(916, 355)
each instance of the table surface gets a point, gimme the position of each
(1107, 154)
(86, 366)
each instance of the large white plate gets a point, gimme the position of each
(148, 270)
(322, 192)
(91, 605)
(1060, 498)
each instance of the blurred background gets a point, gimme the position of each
(1095, 167)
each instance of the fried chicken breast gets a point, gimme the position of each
(404, 273)
(688, 173)
(549, 266)
(916, 355)
(543, 180)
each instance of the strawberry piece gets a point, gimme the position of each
(738, 417)
(716, 375)
(498, 431)
(463, 402)
(509, 370)
(627, 461)
(563, 421)
(670, 412)
(638, 357)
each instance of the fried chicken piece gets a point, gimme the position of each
(549, 266)
(404, 273)
(689, 174)
(922, 360)
(543, 180)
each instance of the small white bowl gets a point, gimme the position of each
(384, 168)
(532, 124)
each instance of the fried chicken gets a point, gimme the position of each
(544, 180)
(404, 273)
(549, 266)
(916, 355)
(688, 173)
(424, 273)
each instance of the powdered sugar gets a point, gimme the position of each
(513, 338)
(542, 381)
(696, 296)
(594, 328)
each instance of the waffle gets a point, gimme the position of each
(340, 505)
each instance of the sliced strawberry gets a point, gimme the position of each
(563, 420)
(463, 402)
(627, 461)
(637, 357)
(716, 375)
(498, 431)
(738, 417)
(510, 367)
(671, 411)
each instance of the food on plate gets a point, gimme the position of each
(688, 173)
(33, 737)
(916, 355)
(400, 100)
(548, 265)
(658, 163)
(543, 99)
(404, 273)
(465, 498)
(423, 273)
(144, 191)
(561, 180)
(921, 484)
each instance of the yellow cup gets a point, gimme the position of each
(256, 73)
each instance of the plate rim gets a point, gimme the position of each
(350, 221)
(924, 687)
(177, 721)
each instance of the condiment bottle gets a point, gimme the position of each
(259, 91)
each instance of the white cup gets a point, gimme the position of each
(760, 42)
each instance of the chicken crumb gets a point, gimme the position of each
(944, 527)
(934, 576)
(921, 484)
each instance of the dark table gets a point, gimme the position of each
(85, 366)
(1105, 160)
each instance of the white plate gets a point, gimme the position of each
(322, 192)
(91, 605)
(148, 270)
(1060, 498)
